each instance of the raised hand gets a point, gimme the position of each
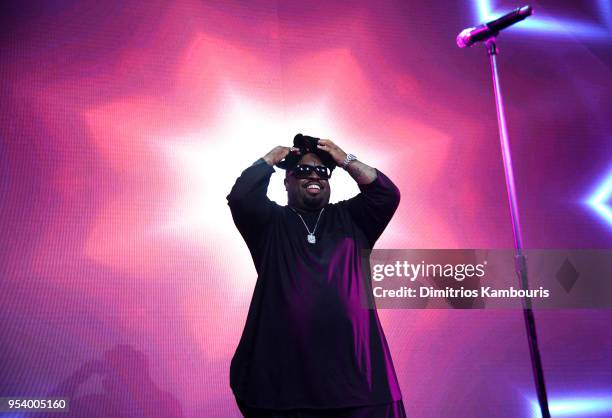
(360, 172)
(334, 150)
(278, 153)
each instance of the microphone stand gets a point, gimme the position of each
(520, 262)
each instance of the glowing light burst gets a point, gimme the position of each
(176, 158)
(485, 11)
(596, 406)
(207, 163)
(599, 200)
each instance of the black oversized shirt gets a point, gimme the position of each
(309, 340)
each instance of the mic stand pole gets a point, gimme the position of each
(520, 261)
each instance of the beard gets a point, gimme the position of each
(314, 202)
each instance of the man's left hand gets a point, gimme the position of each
(334, 150)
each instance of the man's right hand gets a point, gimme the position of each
(278, 153)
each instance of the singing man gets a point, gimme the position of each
(310, 348)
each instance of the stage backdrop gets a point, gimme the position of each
(124, 284)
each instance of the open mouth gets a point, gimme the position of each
(313, 188)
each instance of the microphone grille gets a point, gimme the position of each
(463, 39)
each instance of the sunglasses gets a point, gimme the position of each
(302, 171)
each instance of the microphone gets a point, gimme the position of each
(470, 36)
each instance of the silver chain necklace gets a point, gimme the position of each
(311, 236)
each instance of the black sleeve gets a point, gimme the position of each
(373, 208)
(251, 209)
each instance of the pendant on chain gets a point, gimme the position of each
(311, 238)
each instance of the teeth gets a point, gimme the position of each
(314, 186)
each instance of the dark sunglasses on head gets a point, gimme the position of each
(302, 171)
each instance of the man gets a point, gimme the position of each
(310, 347)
